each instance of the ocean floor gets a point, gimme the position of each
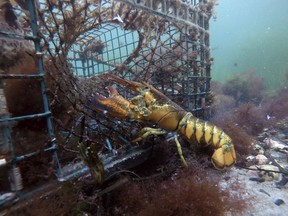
(262, 184)
(266, 192)
(264, 198)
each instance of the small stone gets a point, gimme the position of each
(261, 159)
(279, 202)
(270, 176)
(282, 182)
(253, 173)
(276, 145)
(226, 178)
(262, 136)
(281, 136)
(259, 149)
(273, 132)
(265, 171)
(250, 158)
(265, 192)
(7, 196)
(257, 179)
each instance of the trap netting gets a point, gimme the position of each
(162, 42)
(165, 43)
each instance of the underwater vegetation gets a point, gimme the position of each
(188, 192)
(191, 191)
(244, 107)
(245, 88)
(60, 202)
(21, 94)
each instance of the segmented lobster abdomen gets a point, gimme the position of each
(204, 132)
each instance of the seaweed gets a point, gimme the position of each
(245, 88)
(23, 96)
(251, 118)
(242, 140)
(54, 200)
(191, 191)
(188, 192)
(221, 105)
(276, 107)
(254, 110)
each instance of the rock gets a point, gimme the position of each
(226, 178)
(269, 176)
(281, 136)
(279, 202)
(253, 173)
(282, 182)
(257, 179)
(276, 145)
(7, 196)
(265, 192)
(262, 136)
(261, 159)
(259, 149)
(273, 132)
(262, 172)
(250, 158)
(279, 156)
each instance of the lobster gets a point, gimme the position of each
(153, 105)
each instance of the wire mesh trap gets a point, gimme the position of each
(165, 43)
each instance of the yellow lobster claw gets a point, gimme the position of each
(117, 106)
(114, 106)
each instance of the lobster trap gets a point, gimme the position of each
(162, 42)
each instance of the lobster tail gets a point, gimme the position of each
(225, 155)
(206, 133)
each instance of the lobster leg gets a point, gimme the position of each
(179, 148)
(91, 159)
(147, 131)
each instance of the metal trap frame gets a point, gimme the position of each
(163, 42)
